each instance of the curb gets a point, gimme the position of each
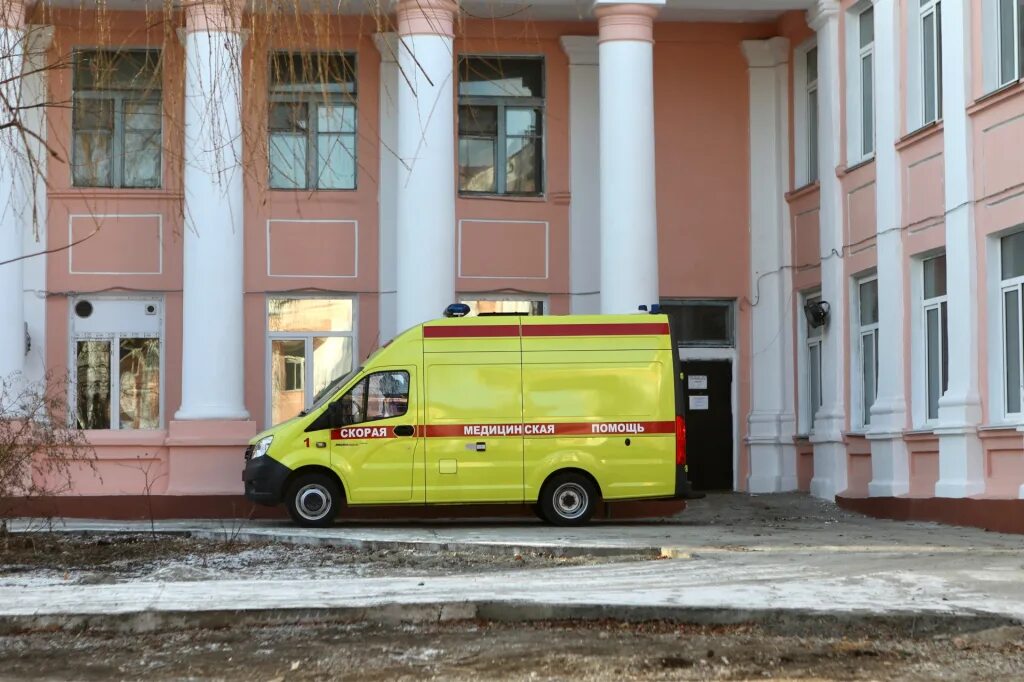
(312, 539)
(144, 621)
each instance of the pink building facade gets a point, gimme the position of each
(214, 211)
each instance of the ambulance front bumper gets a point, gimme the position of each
(264, 479)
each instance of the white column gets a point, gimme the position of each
(213, 379)
(771, 421)
(34, 95)
(425, 234)
(961, 456)
(14, 175)
(629, 220)
(387, 180)
(584, 175)
(890, 467)
(830, 473)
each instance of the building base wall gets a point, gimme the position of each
(236, 507)
(1002, 516)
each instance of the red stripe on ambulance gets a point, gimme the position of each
(630, 329)
(509, 430)
(489, 331)
(540, 330)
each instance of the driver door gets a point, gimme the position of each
(374, 439)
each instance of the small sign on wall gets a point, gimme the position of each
(698, 402)
(697, 382)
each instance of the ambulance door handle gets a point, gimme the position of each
(404, 430)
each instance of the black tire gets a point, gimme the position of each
(313, 500)
(538, 512)
(568, 499)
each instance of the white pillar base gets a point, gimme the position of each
(890, 464)
(961, 463)
(830, 470)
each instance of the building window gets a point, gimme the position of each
(1012, 279)
(312, 121)
(930, 25)
(1002, 33)
(503, 306)
(805, 112)
(861, 80)
(312, 342)
(867, 345)
(501, 125)
(116, 363)
(116, 118)
(936, 352)
(701, 323)
(812, 398)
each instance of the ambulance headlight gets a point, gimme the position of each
(262, 446)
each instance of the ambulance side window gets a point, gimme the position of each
(381, 395)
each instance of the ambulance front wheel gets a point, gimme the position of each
(568, 499)
(313, 500)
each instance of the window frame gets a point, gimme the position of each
(805, 369)
(307, 338)
(728, 304)
(501, 139)
(926, 8)
(860, 147)
(313, 101)
(941, 304)
(806, 151)
(118, 98)
(115, 338)
(861, 410)
(366, 399)
(1014, 284)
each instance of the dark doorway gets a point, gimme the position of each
(707, 391)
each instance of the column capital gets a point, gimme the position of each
(632, 21)
(12, 14)
(821, 13)
(38, 38)
(426, 17)
(387, 45)
(581, 50)
(214, 15)
(766, 54)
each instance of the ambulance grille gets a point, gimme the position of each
(248, 452)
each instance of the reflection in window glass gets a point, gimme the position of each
(116, 118)
(92, 384)
(332, 358)
(381, 395)
(700, 323)
(479, 307)
(501, 112)
(139, 399)
(312, 121)
(287, 376)
(310, 314)
(1012, 349)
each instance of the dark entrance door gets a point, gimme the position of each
(707, 391)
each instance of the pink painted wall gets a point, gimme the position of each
(923, 453)
(858, 466)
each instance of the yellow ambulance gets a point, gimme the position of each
(557, 412)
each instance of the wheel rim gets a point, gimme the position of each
(313, 502)
(571, 500)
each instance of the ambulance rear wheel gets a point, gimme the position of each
(313, 500)
(568, 499)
